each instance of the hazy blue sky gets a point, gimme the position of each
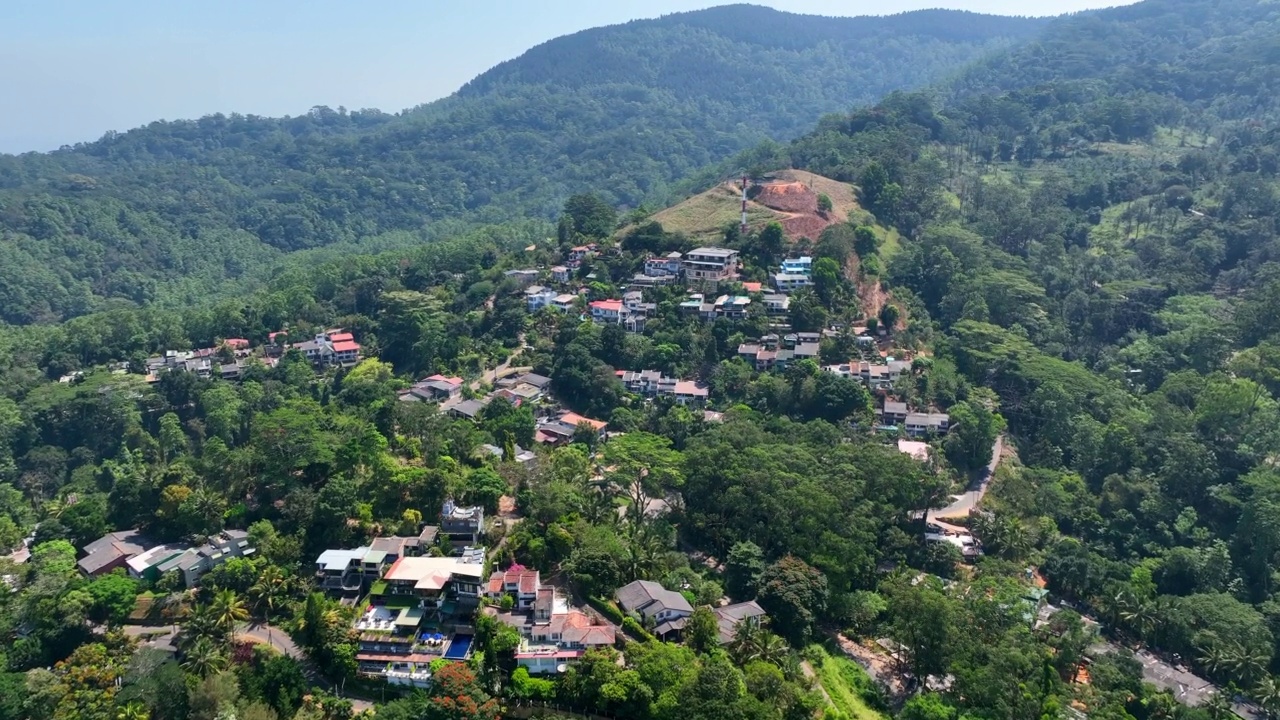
(73, 69)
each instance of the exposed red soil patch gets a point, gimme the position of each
(810, 226)
(792, 197)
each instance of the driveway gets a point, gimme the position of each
(961, 504)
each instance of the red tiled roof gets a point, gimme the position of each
(575, 420)
(341, 337)
(346, 346)
(236, 342)
(607, 305)
(751, 286)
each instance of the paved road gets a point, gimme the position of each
(1189, 688)
(968, 500)
(280, 640)
(163, 637)
(491, 376)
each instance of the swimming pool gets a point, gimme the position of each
(459, 649)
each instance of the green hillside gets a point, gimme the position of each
(172, 211)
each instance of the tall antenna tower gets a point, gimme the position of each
(743, 228)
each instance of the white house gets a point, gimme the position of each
(538, 297)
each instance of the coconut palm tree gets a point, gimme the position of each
(747, 636)
(1267, 694)
(1246, 663)
(1219, 706)
(201, 624)
(204, 658)
(228, 610)
(269, 593)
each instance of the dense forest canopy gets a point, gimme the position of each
(172, 211)
(1077, 246)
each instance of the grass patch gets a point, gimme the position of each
(848, 686)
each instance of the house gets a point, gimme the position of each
(710, 264)
(340, 570)
(968, 546)
(461, 526)
(112, 551)
(733, 307)
(655, 604)
(563, 428)
(644, 382)
(195, 562)
(564, 302)
(876, 376)
(552, 634)
(919, 424)
(667, 266)
(467, 409)
(522, 456)
(607, 311)
(895, 413)
(537, 297)
(434, 581)
(523, 277)
(574, 420)
(560, 274)
(153, 563)
(542, 382)
(332, 347)
(518, 394)
(798, 266)
(777, 304)
(517, 581)
(753, 287)
(730, 616)
(346, 352)
(436, 388)
(580, 253)
(688, 392)
(790, 282)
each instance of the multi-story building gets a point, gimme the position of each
(552, 635)
(667, 266)
(461, 526)
(560, 274)
(710, 265)
(607, 311)
(788, 283)
(537, 297)
(798, 266)
(651, 383)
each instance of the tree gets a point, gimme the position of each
(828, 283)
(795, 596)
(702, 631)
(114, 595)
(743, 568)
(927, 706)
(204, 658)
(824, 203)
(589, 215)
(920, 619)
(974, 429)
(228, 610)
(456, 695)
(269, 593)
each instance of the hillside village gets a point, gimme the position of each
(971, 418)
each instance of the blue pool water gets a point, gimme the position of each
(459, 649)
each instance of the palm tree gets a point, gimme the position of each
(772, 649)
(1219, 706)
(269, 593)
(133, 711)
(746, 638)
(204, 658)
(228, 610)
(1267, 694)
(201, 624)
(1245, 663)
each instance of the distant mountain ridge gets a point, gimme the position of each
(177, 212)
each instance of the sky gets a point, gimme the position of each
(71, 70)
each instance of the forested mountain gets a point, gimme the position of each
(1091, 224)
(172, 210)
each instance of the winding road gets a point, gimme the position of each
(969, 499)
